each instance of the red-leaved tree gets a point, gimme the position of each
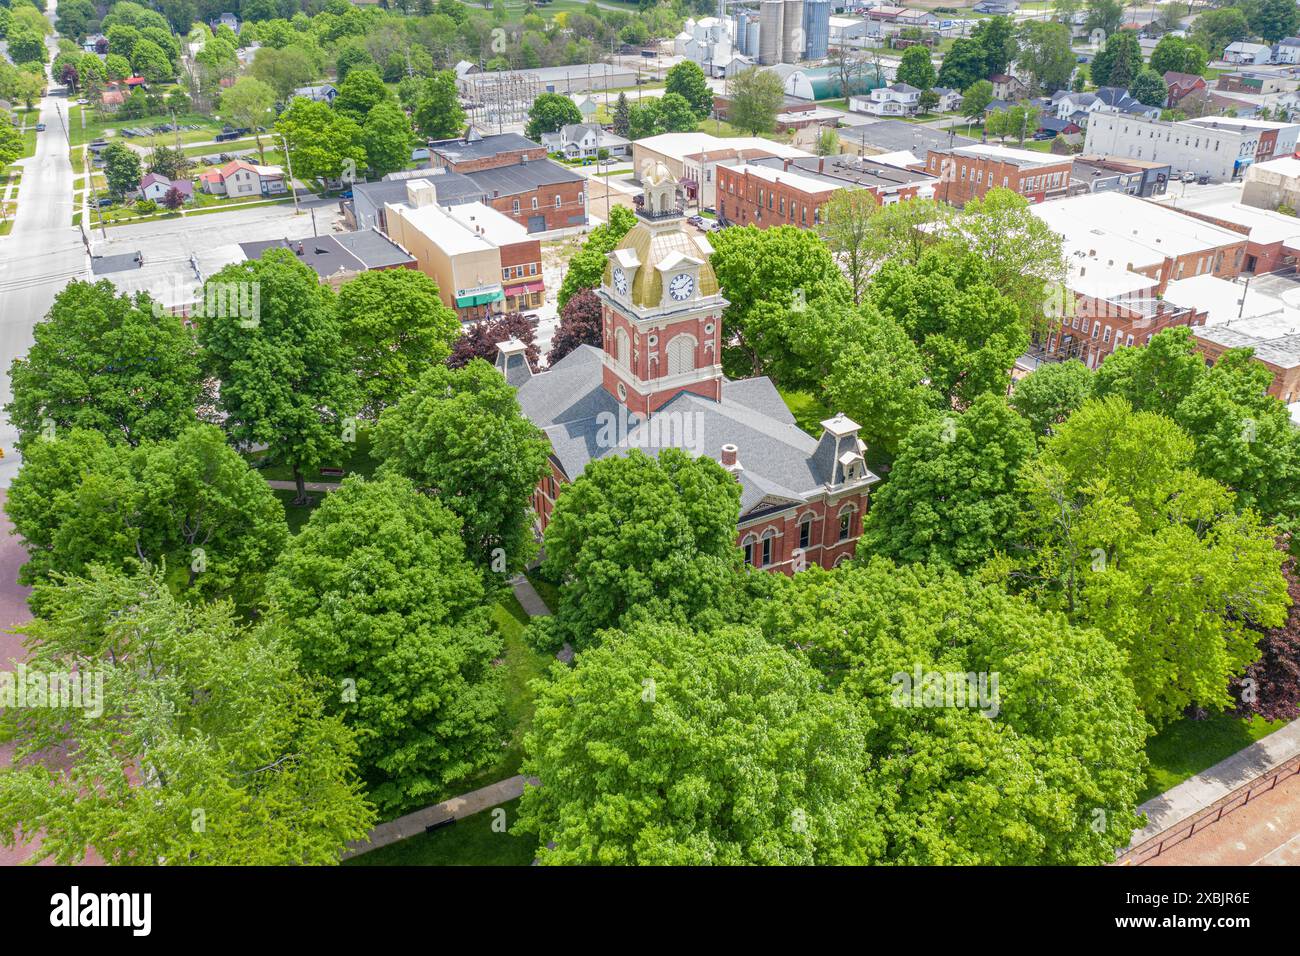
(1274, 693)
(579, 325)
(480, 340)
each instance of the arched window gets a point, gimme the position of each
(681, 354)
(805, 531)
(623, 345)
(769, 547)
(846, 521)
(748, 545)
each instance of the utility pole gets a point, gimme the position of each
(289, 162)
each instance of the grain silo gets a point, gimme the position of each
(741, 39)
(770, 33)
(792, 42)
(816, 29)
(751, 42)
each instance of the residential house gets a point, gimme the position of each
(802, 499)
(1181, 85)
(1007, 87)
(949, 100)
(324, 93)
(919, 19)
(899, 99)
(156, 187)
(583, 140)
(225, 20)
(242, 178)
(1287, 50)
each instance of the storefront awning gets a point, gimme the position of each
(525, 288)
(478, 298)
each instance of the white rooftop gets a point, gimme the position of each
(458, 230)
(1021, 157)
(789, 178)
(1283, 166)
(680, 145)
(1223, 301)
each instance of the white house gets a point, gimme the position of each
(581, 140)
(949, 100)
(1287, 50)
(896, 100)
(1251, 53)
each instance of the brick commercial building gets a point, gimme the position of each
(1122, 253)
(1272, 238)
(775, 192)
(474, 151)
(484, 263)
(657, 383)
(1275, 340)
(692, 158)
(968, 172)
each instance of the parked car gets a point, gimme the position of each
(1203, 180)
(1188, 177)
(695, 220)
(533, 319)
(40, 127)
(1043, 134)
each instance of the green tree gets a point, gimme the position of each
(976, 98)
(438, 114)
(656, 537)
(1022, 785)
(728, 753)
(686, 79)
(118, 67)
(997, 38)
(395, 327)
(1215, 29)
(121, 170)
(549, 112)
(1105, 15)
(284, 70)
(587, 265)
(387, 139)
(1179, 55)
(1273, 19)
(1044, 53)
(279, 359)
(1148, 87)
(969, 334)
(878, 379)
(675, 114)
(1126, 537)
(192, 505)
(461, 438)
(1243, 435)
(1119, 61)
(963, 65)
(202, 720)
(951, 496)
(1051, 394)
(108, 362)
(376, 595)
(622, 116)
(150, 61)
(765, 271)
(1025, 259)
(916, 68)
(845, 227)
(756, 98)
(250, 103)
(26, 46)
(11, 143)
(322, 144)
(361, 92)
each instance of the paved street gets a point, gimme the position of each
(42, 254)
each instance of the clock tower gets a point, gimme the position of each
(661, 307)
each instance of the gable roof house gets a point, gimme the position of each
(580, 140)
(241, 178)
(1180, 85)
(1243, 52)
(1287, 50)
(657, 382)
(156, 187)
(1007, 87)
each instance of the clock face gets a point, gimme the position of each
(681, 286)
(620, 280)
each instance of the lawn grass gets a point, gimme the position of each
(107, 128)
(357, 460)
(808, 412)
(469, 842)
(546, 589)
(1186, 747)
(294, 515)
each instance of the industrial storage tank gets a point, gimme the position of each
(742, 32)
(792, 41)
(816, 29)
(751, 42)
(769, 37)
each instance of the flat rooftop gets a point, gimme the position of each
(1024, 158)
(1222, 300)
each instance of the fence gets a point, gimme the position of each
(1158, 844)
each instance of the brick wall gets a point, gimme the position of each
(519, 207)
(963, 178)
(509, 158)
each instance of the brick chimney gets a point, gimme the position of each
(730, 459)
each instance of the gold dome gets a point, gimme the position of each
(652, 243)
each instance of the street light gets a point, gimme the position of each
(288, 162)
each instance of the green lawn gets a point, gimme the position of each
(293, 514)
(468, 842)
(106, 128)
(1187, 747)
(356, 460)
(546, 589)
(808, 412)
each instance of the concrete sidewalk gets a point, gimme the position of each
(318, 486)
(1200, 791)
(457, 808)
(529, 599)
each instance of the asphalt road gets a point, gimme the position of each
(42, 254)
